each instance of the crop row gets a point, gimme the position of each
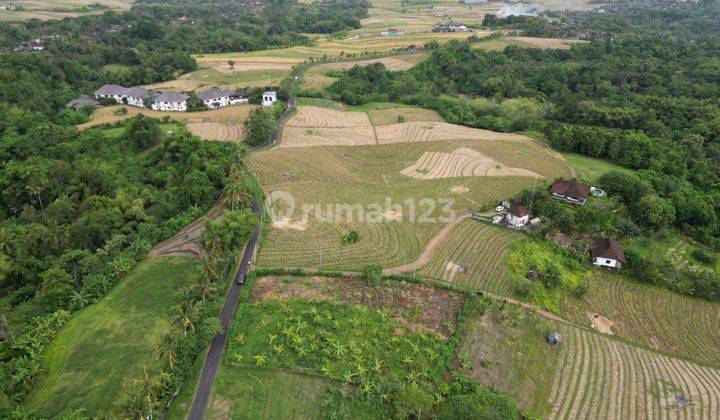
(653, 317)
(606, 379)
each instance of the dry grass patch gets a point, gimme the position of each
(217, 131)
(400, 115)
(308, 137)
(247, 63)
(460, 162)
(419, 306)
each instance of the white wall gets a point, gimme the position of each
(170, 106)
(224, 101)
(606, 262)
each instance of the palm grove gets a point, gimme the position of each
(79, 209)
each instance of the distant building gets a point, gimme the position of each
(449, 27)
(608, 253)
(136, 96)
(170, 101)
(518, 216)
(269, 98)
(216, 98)
(571, 191)
(82, 101)
(116, 92)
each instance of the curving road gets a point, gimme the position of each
(212, 360)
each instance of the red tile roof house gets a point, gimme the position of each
(518, 216)
(607, 253)
(571, 191)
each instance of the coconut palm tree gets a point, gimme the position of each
(167, 348)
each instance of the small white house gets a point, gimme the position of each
(216, 98)
(170, 101)
(269, 98)
(518, 216)
(607, 253)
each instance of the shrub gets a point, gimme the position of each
(372, 274)
(704, 257)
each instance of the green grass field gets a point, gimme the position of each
(104, 347)
(590, 169)
(256, 393)
(250, 77)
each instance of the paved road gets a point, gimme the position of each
(212, 360)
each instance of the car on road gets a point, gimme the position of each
(241, 279)
(499, 208)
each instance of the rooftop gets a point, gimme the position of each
(607, 248)
(570, 188)
(171, 97)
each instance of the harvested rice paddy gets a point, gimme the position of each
(472, 256)
(588, 375)
(681, 326)
(217, 131)
(319, 126)
(320, 179)
(458, 163)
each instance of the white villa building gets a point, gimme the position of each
(269, 98)
(116, 92)
(218, 98)
(135, 96)
(215, 97)
(170, 101)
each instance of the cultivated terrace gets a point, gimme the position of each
(360, 209)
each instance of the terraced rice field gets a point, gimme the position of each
(436, 131)
(601, 378)
(478, 249)
(318, 117)
(460, 162)
(365, 175)
(398, 115)
(327, 47)
(319, 126)
(224, 122)
(217, 131)
(680, 325)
